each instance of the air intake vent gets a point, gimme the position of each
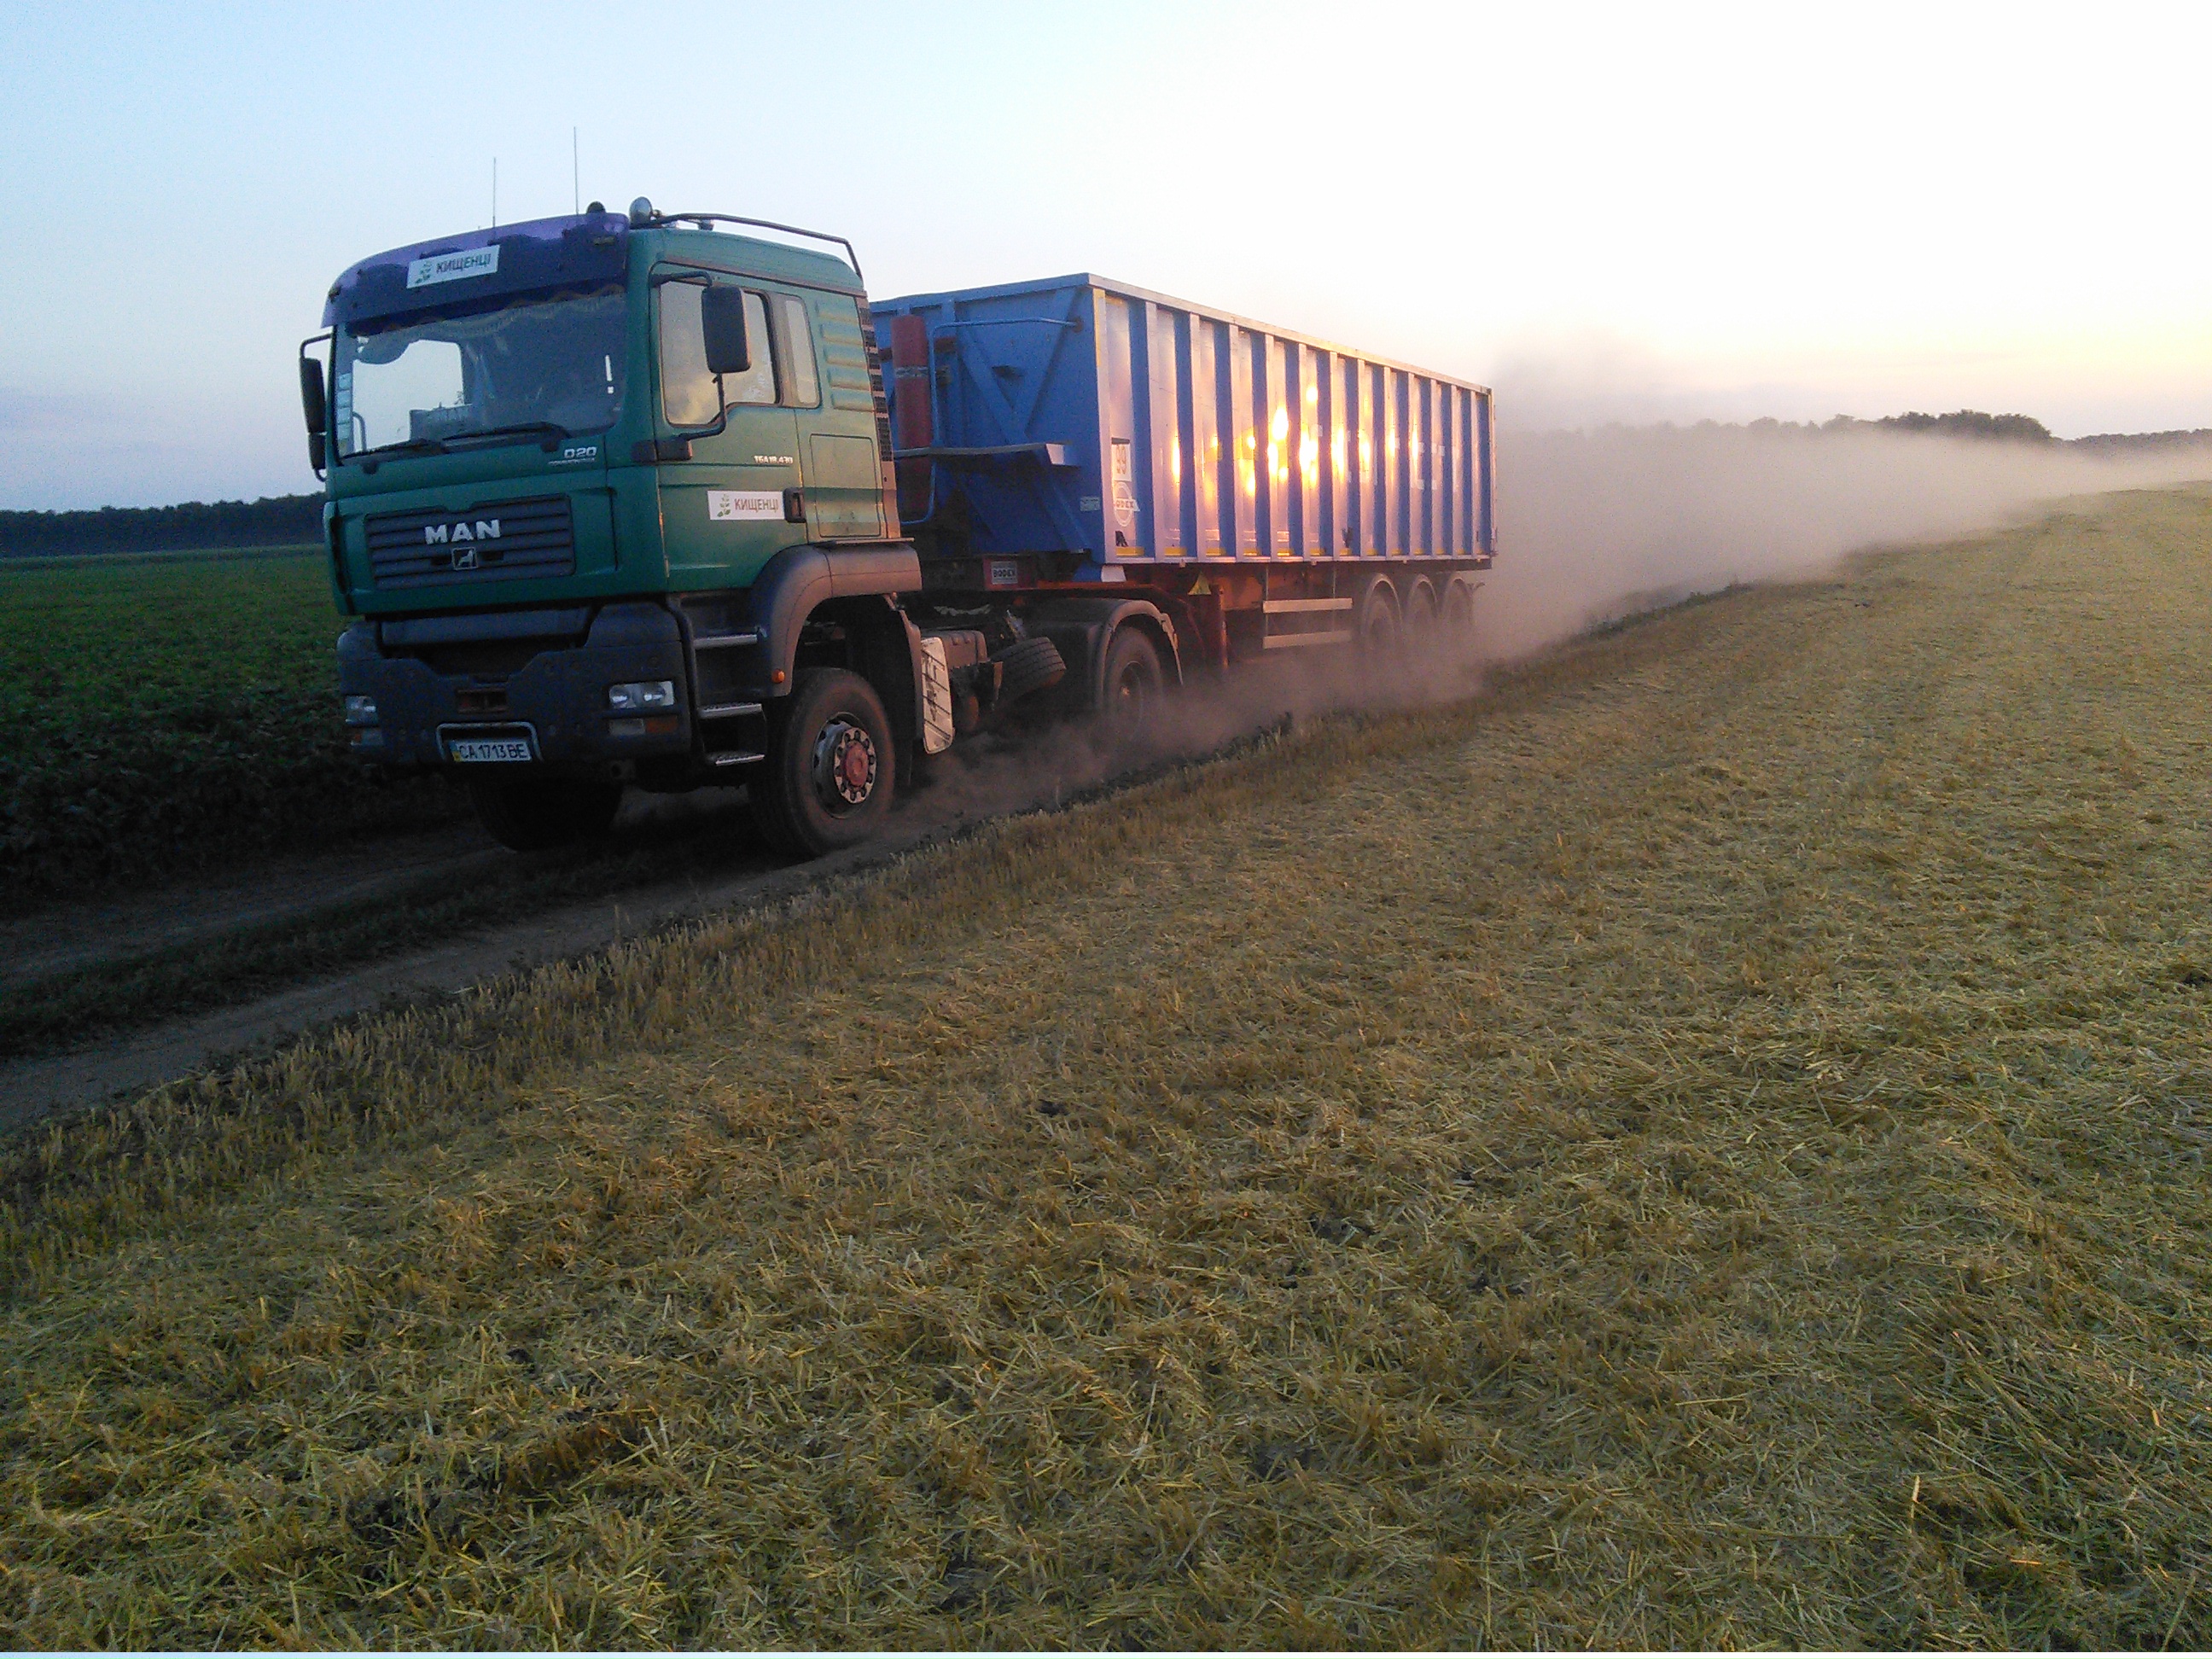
(497, 541)
(876, 382)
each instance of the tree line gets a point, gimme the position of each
(2133, 442)
(1959, 424)
(272, 521)
(1971, 424)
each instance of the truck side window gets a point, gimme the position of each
(757, 384)
(687, 390)
(802, 388)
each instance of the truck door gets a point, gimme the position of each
(837, 420)
(723, 511)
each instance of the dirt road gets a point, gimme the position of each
(706, 839)
(31, 1088)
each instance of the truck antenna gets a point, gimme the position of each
(575, 175)
(495, 192)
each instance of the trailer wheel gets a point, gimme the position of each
(828, 778)
(1423, 624)
(1459, 618)
(529, 815)
(1378, 628)
(1135, 692)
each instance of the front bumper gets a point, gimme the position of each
(435, 680)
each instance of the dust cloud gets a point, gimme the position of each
(1596, 524)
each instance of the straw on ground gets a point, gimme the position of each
(1704, 1146)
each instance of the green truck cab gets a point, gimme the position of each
(580, 556)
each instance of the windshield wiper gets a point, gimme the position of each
(551, 431)
(425, 446)
(516, 429)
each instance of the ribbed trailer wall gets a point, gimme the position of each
(1082, 414)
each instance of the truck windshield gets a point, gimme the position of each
(530, 365)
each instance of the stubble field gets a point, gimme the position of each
(1703, 1145)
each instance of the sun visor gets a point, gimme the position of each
(585, 250)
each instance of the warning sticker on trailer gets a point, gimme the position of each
(728, 504)
(1125, 495)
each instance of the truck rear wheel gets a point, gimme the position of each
(1133, 703)
(827, 780)
(531, 814)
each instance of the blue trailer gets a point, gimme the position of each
(1247, 489)
(1079, 414)
(656, 501)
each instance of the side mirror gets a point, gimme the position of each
(314, 405)
(722, 329)
(312, 396)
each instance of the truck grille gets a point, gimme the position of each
(498, 541)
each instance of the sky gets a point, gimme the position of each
(1607, 213)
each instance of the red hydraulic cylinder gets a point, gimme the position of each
(914, 425)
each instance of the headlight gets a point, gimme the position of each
(361, 711)
(633, 694)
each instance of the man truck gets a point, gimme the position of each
(661, 501)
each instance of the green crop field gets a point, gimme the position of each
(1703, 1145)
(162, 715)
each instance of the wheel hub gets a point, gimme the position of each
(1130, 704)
(844, 765)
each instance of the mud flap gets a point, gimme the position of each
(936, 698)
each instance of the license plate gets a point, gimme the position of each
(489, 748)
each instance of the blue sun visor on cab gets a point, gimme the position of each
(583, 251)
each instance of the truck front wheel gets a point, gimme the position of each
(827, 780)
(531, 814)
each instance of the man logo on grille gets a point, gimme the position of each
(487, 530)
(465, 558)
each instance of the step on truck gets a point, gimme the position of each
(661, 501)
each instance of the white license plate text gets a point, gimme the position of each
(488, 749)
